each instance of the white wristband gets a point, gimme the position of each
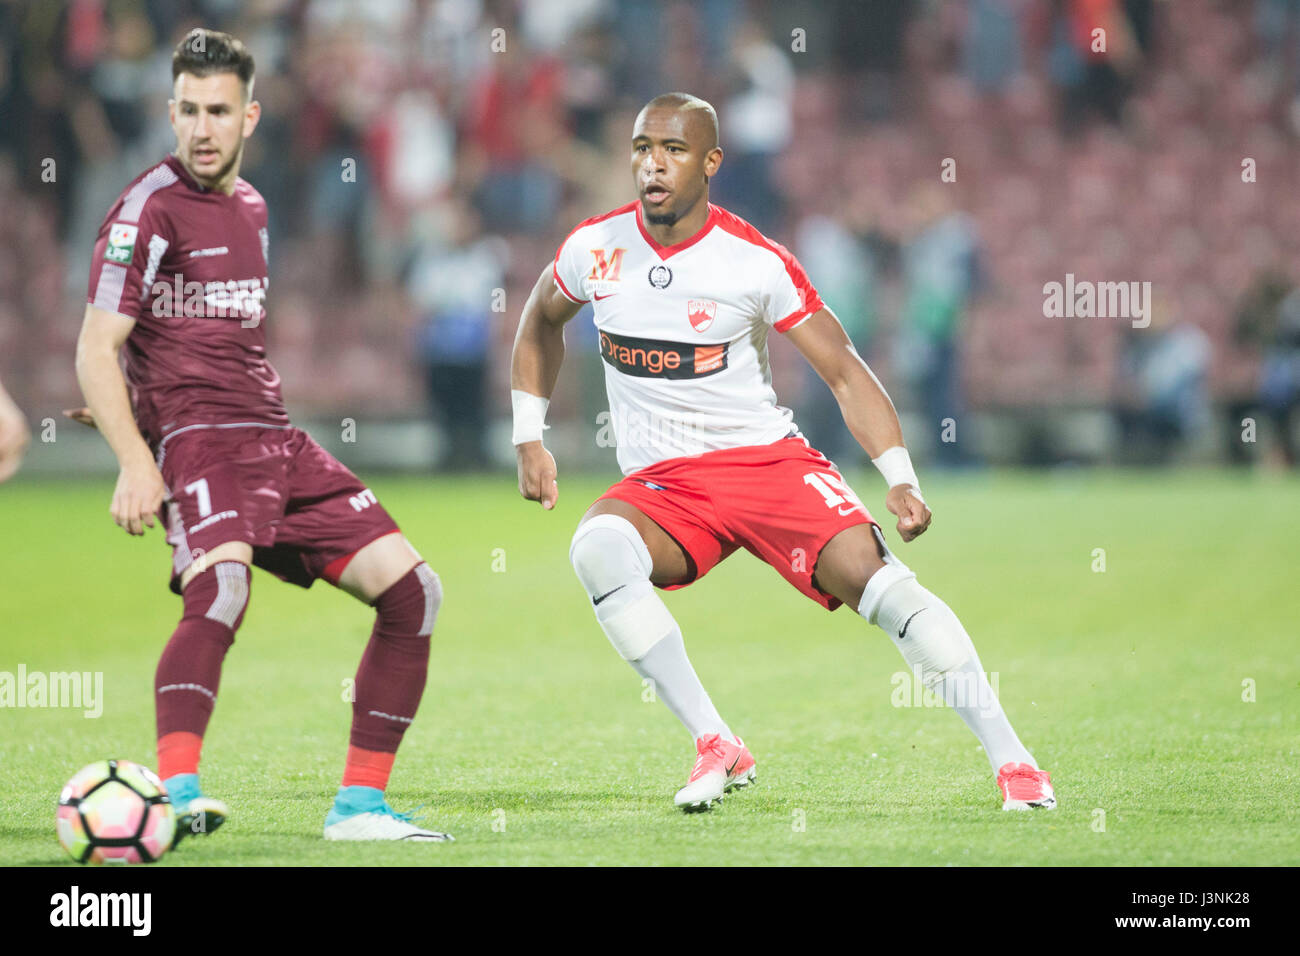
(896, 465)
(529, 415)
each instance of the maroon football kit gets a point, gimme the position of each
(189, 265)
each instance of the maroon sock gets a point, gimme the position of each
(390, 680)
(185, 684)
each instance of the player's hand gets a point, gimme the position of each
(14, 438)
(138, 495)
(537, 474)
(913, 515)
(82, 415)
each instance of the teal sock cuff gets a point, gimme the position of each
(182, 788)
(350, 801)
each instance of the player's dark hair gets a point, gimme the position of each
(204, 52)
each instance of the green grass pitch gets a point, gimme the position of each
(533, 744)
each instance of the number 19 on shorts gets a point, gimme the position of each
(834, 491)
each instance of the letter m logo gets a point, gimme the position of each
(363, 500)
(606, 268)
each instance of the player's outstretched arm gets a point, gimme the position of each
(868, 413)
(534, 368)
(14, 435)
(140, 489)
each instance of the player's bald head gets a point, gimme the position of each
(674, 152)
(699, 118)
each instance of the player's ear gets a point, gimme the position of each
(252, 113)
(712, 161)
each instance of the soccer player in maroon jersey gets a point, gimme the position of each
(179, 278)
(684, 294)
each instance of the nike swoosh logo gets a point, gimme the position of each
(733, 765)
(903, 633)
(606, 296)
(597, 600)
(852, 508)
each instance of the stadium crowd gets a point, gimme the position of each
(932, 164)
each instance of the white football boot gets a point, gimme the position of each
(362, 813)
(375, 825)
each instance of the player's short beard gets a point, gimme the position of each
(661, 218)
(211, 181)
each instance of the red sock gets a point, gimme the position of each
(367, 768)
(178, 752)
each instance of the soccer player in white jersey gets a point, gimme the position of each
(684, 295)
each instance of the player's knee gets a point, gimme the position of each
(410, 606)
(431, 585)
(614, 564)
(923, 627)
(607, 552)
(219, 593)
(880, 584)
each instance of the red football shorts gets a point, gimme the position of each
(299, 507)
(781, 502)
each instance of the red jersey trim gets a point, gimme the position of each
(812, 302)
(796, 318)
(665, 252)
(555, 271)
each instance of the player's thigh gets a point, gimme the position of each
(335, 528)
(240, 551)
(847, 561)
(378, 566)
(225, 489)
(671, 566)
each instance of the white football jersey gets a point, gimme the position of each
(683, 330)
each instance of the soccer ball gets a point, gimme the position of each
(115, 811)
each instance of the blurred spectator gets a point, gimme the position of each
(757, 124)
(941, 274)
(456, 288)
(1269, 320)
(992, 43)
(1095, 55)
(1277, 28)
(842, 268)
(1163, 401)
(514, 131)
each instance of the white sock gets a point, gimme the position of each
(967, 691)
(614, 566)
(934, 643)
(676, 684)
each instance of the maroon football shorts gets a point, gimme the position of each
(298, 506)
(781, 502)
